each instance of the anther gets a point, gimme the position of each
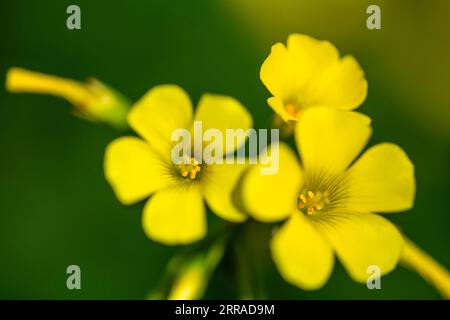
(291, 110)
(310, 202)
(190, 167)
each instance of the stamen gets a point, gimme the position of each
(310, 202)
(303, 198)
(189, 168)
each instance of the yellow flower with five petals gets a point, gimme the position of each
(310, 73)
(137, 168)
(330, 199)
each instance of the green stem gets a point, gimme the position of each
(428, 268)
(249, 256)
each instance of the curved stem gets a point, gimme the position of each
(93, 100)
(428, 268)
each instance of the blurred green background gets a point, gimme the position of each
(56, 208)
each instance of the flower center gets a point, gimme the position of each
(189, 168)
(291, 109)
(309, 202)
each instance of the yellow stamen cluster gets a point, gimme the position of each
(309, 201)
(189, 168)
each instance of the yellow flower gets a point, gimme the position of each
(329, 200)
(309, 73)
(93, 100)
(137, 168)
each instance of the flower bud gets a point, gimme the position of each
(92, 100)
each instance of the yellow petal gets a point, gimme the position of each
(301, 253)
(222, 113)
(175, 215)
(218, 184)
(382, 180)
(278, 73)
(312, 56)
(341, 86)
(273, 197)
(134, 170)
(158, 113)
(310, 73)
(361, 240)
(329, 140)
(287, 69)
(278, 107)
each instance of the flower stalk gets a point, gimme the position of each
(92, 100)
(250, 260)
(419, 261)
